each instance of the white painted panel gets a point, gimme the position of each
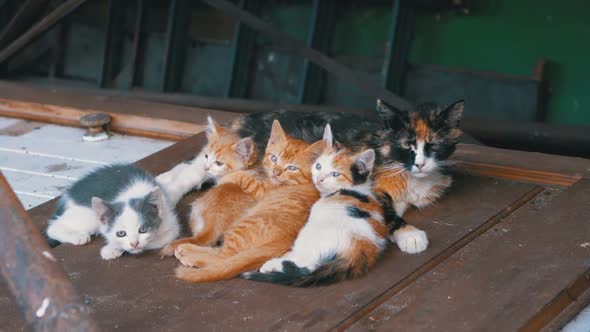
(50, 166)
(41, 160)
(67, 142)
(30, 201)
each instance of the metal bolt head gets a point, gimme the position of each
(95, 119)
(97, 125)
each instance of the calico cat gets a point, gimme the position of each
(122, 203)
(268, 228)
(412, 147)
(225, 152)
(346, 230)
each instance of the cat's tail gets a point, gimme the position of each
(229, 267)
(354, 263)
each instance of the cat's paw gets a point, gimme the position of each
(74, 238)
(109, 253)
(411, 240)
(168, 250)
(182, 250)
(273, 265)
(183, 254)
(80, 239)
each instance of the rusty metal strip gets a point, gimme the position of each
(42, 290)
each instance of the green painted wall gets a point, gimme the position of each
(505, 36)
(508, 36)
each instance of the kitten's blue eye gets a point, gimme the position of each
(121, 233)
(336, 174)
(318, 166)
(142, 229)
(219, 163)
(292, 168)
(274, 158)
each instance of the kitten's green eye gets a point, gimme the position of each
(219, 163)
(318, 166)
(336, 174)
(142, 229)
(292, 168)
(274, 158)
(121, 233)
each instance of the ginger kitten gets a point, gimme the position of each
(224, 153)
(213, 213)
(268, 228)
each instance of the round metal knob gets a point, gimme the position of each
(97, 126)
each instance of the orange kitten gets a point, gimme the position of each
(269, 228)
(221, 206)
(224, 153)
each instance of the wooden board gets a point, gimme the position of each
(129, 116)
(139, 292)
(523, 166)
(489, 95)
(509, 278)
(149, 286)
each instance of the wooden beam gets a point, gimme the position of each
(242, 55)
(37, 280)
(113, 43)
(58, 50)
(24, 17)
(398, 48)
(176, 43)
(40, 27)
(489, 161)
(137, 42)
(299, 47)
(311, 82)
(121, 123)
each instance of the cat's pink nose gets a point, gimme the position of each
(134, 244)
(276, 172)
(419, 166)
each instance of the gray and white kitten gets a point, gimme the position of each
(122, 203)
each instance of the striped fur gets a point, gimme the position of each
(268, 228)
(346, 230)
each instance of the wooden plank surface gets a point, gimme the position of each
(140, 292)
(524, 166)
(509, 278)
(129, 116)
(516, 165)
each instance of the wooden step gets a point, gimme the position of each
(141, 293)
(512, 277)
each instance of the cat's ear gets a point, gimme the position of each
(365, 161)
(102, 209)
(155, 200)
(328, 138)
(452, 114)
(392, 117)
(245, 148)
(316, 149)
(213, 128)
(277, 134)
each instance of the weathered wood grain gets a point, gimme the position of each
(512, 277)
